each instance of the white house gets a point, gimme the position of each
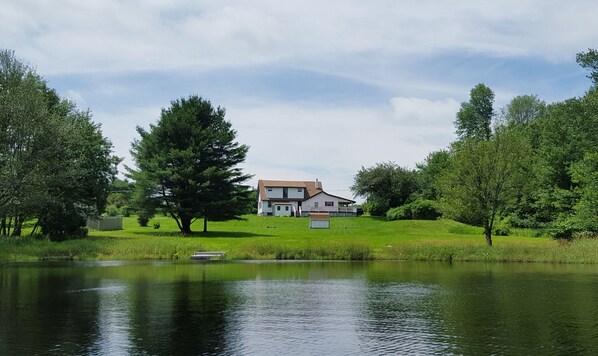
(297, 198)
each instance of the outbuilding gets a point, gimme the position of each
(319, 220)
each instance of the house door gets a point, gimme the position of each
(282, 210)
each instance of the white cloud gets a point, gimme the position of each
(420, 112)
(75, 96)
(121, 129)
(81, 36)
(391, 45)
(330, 143)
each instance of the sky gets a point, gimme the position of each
(316, 89)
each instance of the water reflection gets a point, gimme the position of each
(298, 308)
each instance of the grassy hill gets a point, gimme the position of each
(360, 238)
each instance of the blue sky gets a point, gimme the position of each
(316, 89)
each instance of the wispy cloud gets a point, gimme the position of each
(81, 36)
(316, 88)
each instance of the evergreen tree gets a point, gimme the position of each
(187, 165)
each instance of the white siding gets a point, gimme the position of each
(278, 193)
(273, 193)
(321, 199)
(296, 193)
(282, 209)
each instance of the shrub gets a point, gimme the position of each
(125, 211)
(399, 213)
(502, 227)
(420, 209)
(112, 210)
(563, 229)
(375, 208)
(63, 223)
(143, 219)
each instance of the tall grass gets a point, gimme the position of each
(361, 238)
(351, 250)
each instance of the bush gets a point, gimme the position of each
(125, 211)
(375, 208)
(420, 209)
(563, 229)
(63, 223)
(502, 228)
(143, 219)
(112, 210)
(400, 213)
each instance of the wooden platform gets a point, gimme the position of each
(205, 255)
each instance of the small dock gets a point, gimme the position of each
(206, 255)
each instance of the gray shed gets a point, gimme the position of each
(319, 220)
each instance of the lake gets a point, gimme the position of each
(298, 308)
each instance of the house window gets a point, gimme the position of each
(285, 192)
(269, 204)
(329, 203)
(286, 208)
(269, 189)
(316, 204)
(299, 190)
(278, 207)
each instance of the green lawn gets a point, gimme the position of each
(257, 237)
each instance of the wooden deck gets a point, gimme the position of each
(205, 255)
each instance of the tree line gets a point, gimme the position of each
(55, 165)
(57, 169)
(529, 164)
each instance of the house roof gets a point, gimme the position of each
(319, 216)
(310, 187)
(345, 200)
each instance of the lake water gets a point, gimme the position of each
(298, 308)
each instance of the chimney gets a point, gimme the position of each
(318, 184)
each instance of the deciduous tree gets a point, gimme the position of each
(475, 116)
(523, 109)
(484, 177)
(589, 61)
(385, 186)
(55, 165)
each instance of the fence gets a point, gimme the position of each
(105, 223)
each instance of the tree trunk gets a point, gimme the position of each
(488, 233)
(205, 224)
(185, 224)
(16, 231)
(18, 224)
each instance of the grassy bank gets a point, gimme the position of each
(289, 238)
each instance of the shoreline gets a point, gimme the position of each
(353, 239)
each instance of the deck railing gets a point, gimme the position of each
(330, 209)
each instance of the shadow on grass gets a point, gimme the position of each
(209, 234)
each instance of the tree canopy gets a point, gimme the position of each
(475, 116)
(55, 165)
(523, 109)
(385, 185)
(188, 165)
(483, 177)
(589, 61)
(534, 168)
